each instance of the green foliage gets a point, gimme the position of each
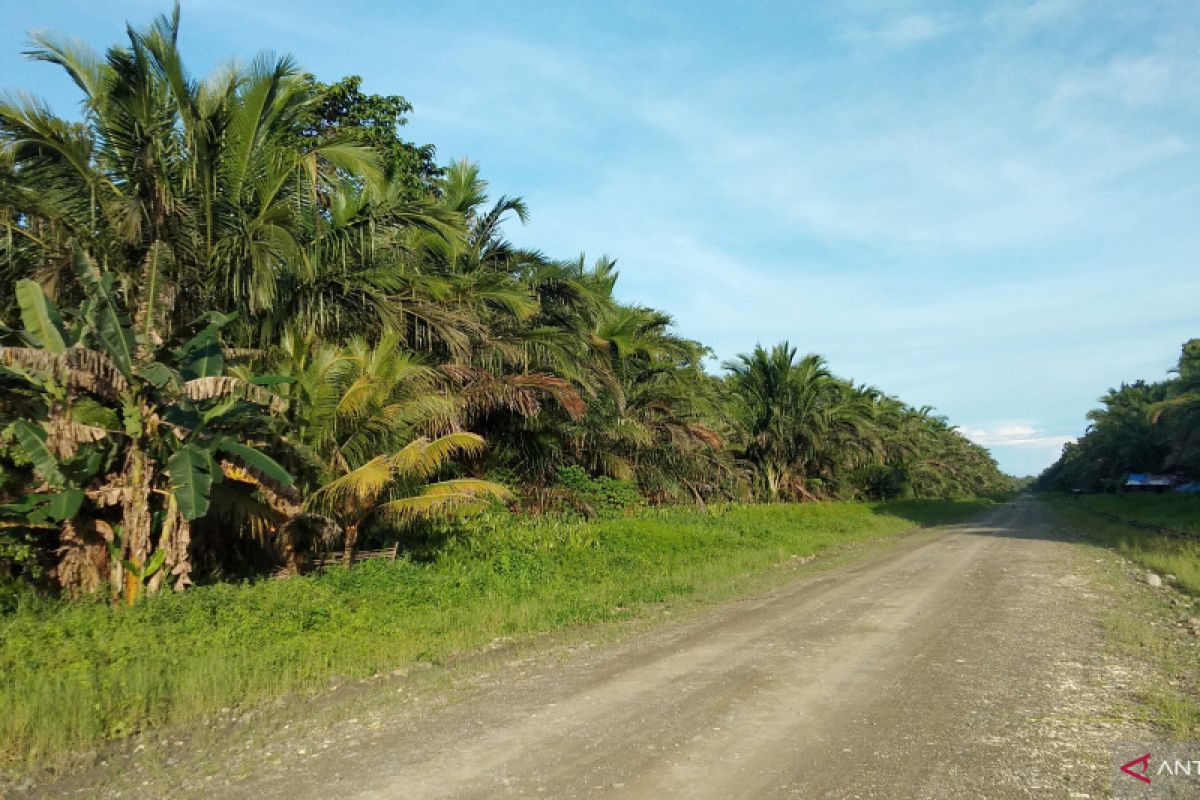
(261, 279)
(107, 322)
(166, 421)
(40, 317)
(191, 469)
(1140, 427)
(32, 440)
(1107, 518)
(342, 111)
(73, 673)
(808, 434)
(602, 495)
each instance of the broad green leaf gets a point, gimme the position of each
(202, 357)
(191, 471)
(158, 374)
(214, 413)
(206, 338)
(256, 460)
(110, 325)
(183, 416)
(65, 504)
(41, 318)
(88, 411)
(152, 566)
(85, 466)
(32, 440)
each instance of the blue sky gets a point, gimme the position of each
(990, 208)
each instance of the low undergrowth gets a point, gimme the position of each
(1104, 518)
(72, 673)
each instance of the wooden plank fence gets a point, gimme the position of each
(335, 558)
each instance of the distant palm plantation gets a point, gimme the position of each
(1142, 427)
(249, 323)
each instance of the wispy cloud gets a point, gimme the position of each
(899, 31)
(1022, 435)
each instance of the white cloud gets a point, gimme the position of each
(1026, 17)
(899, 32)
(1015, 434)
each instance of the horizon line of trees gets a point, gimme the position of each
(249, 322)
(1140, 427)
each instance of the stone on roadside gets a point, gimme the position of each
(1153, 581)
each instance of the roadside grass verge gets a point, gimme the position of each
(1104, 518)
(1179, 512)
(1148, 625)
(73, 674)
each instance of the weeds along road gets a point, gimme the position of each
(964, 664)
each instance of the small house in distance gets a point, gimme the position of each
(1146, 482)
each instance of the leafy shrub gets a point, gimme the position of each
(599, 496)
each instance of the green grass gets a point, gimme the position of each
(1166, 555)
(1143, 624)
(1174, 511)
(72, 674)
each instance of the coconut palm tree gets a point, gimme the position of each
(209, 177)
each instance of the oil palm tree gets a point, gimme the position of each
(395, 488)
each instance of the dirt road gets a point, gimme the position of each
(964, 664)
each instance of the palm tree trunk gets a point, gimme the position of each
(351, 539)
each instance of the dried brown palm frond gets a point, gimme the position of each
(110, 494)
(175, 542)
(482, 392)
(241, 353)
(63, 436)
(78, 368)
(83, 554)
(705, 434)
(562, 391)
(227, 386)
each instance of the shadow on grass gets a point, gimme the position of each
(932, 513)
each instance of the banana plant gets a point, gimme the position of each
(135, 574)
(158, 426)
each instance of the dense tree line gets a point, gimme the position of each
(250, 321)
(1149, 427)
